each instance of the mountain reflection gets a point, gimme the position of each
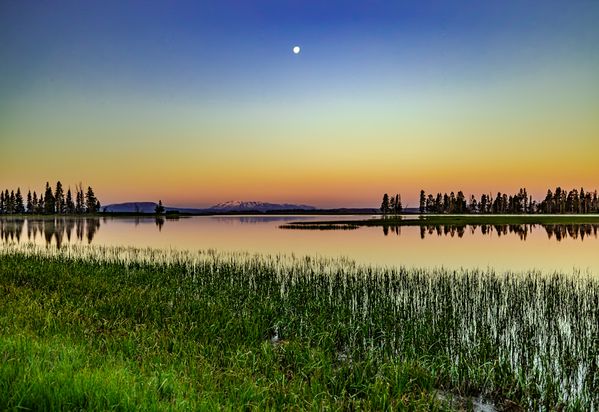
(234, 219)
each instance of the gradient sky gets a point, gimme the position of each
(201, 102)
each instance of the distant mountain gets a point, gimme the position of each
(131, 207)
(240, 206)
(226, 207)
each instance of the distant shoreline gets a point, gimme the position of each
(169, 213)
(454, 220)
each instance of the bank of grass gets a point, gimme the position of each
(112, 328)
(320, 226)
(453, 220)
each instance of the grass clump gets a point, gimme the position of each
(122, 328)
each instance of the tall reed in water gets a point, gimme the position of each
(102, 326)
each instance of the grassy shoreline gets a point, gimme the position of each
(451, 220)
(100, 328)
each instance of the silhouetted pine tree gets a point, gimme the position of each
(69, 205)
(398, 205)
(80, 204)
(59, 198)
(49, 203)
(91, 203)
(34, 206)
(385, 204)
(19, 205)
(159, 209)
(29, 202)
(461, 202)
(11, 202)
(41, 206)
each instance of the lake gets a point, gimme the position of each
(563, 248)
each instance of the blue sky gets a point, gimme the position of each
(418, 79)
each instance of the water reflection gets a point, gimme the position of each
(234, 219)
(11, 230)
(502, 247)
(50, 230)
(59, 230)
(556, 231)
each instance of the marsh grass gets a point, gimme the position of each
(123, 328)
(458, 220)
(320, 227)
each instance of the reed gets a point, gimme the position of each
(107, 327)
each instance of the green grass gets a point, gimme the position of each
(114, 328)
(454, 220)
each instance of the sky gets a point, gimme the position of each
(197, 102)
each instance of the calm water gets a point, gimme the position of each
(513, 247)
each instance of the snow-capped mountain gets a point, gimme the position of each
(232, 206)
(241, 206)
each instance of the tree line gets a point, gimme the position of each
(50, 201)
(391, 205)
(557, 202)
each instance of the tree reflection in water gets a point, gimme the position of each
(58, 230)
(159, 222)
(556, 231)
(55, 230)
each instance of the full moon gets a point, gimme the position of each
(296, 49)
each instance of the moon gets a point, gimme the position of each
(296, 49)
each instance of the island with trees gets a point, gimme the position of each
(559, 207)
(559, 201)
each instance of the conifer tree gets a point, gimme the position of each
(430, 204)
(483, 203)
(11, 202)
(90, 201)
(19, 205)
(461, 202)
(41, 205)
(59, 198)
(438, 203)
(69, 205)
(159, 209)
(6, 200)
(49, 203)
(385, 204)
(79, 205)
(34, 205)
(29, 202)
